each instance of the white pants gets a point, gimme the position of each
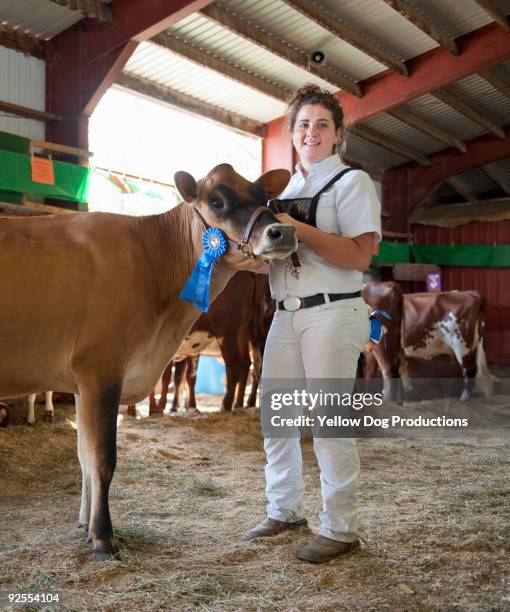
(320, 342)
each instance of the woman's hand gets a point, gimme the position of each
(285, 218)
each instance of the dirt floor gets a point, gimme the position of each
(435, 522)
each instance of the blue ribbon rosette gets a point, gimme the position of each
(376, 328)
(197, 289)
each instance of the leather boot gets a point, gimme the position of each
(324, 550)
(271, 527)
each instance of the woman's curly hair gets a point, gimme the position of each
(313, 94)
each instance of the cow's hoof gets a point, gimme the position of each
(98, 556)
(465, 397)
(84, 526)
(48, 417)
(29, 423)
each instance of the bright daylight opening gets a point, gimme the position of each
(139, 143)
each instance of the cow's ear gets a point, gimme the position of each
(186, 185)
(274, 182)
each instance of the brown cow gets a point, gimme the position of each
(236, 332)
(388, 354)
(95, 298)
(427, 325)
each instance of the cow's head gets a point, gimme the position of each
(227, 201)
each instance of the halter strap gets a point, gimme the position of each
(244, 245)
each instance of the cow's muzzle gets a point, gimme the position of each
(278, 241)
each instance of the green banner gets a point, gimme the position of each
(471, 255)
(71, 180)
(476, 255)
(392, 252)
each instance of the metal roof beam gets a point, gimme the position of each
(496, 82)
(460, 106)
(273, 45)
(410, 118)
(345, 32)
(489, 6)
(491, 173)
(430, 71)
(190, 104)
(424, 24)
(93, 9)
(390, 144)
(21, 41)
(221, 66)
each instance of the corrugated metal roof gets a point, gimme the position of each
(42, 18)
(502, 169)
(291, 26)
(164, 67)
(453, 17)
(400, 131)
(382, 25)
(219, 41)
(362, 150)
(445, 117)
(22, 82)
(476, 182)
(483, 97)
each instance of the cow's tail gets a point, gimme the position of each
(484, 378)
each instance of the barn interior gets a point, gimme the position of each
(425, 89)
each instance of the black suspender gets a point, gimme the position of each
(312, 213)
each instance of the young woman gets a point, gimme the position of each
(321, 334)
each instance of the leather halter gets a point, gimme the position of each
(244, 245)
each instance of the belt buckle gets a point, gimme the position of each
(292, 304)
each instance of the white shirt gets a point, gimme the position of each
(349, 208)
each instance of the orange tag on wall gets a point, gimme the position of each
(375, 249)
(42, 170)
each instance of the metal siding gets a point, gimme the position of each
(42, 18)
(502, 169)
(22, 82)
(476, 181)
(492, 283)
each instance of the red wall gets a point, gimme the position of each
(277, 149)
(492, 283)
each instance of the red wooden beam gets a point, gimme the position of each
(423, 181)
(88, 57)
(479, 50)
(407, 187)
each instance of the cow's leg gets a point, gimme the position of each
(469, 373)
(191, 379)
(4, 415)
(165, 383)
(232, 370)
(244, 369)
(153, 405)
(252, 398)
(49, 412)
(179, 379)
(97, 423)
(30, 418)
(84, 516)
(131, 410)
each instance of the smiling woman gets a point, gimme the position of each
(321, 322)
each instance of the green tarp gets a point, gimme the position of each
(476, 255)
(71, 180)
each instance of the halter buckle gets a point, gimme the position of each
(246, 249)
